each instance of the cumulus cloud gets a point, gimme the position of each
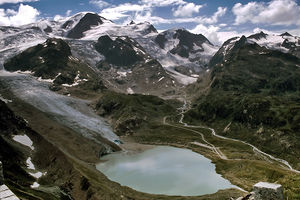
(59, 17)
(143, 11)
(161, 3)
(275, 12)
(214, 19)
(68, 12)
(99, 3)
(122, 11)
(218, 36)
(147, 16)
(186, 10)
(15, 1)
(24, 15)
(210, 32)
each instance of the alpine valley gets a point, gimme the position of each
(76, 91)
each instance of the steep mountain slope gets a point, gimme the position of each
(52, 61)
(14, 40)
(285, 43)
(18, 172)
(187, 45)
(184, 55)
(253, 94)
(129, 67)
(85, 24)
(128, 113)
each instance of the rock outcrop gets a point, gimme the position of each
(267, 191)
(1, 174)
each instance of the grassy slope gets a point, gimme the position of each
(131, 112)
(258, 92)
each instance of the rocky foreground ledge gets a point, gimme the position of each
(5, 192)
(265, 191)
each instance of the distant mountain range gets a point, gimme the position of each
(248, 89)
(86, 51)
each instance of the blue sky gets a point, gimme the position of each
(215, 18)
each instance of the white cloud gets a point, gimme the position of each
(218, 36)
(275, 12)
(59, 17)
(219, 13)
(161, 3)
(10, 12)
(210, 32)
(15, 1)
(99, 3)
(147, 16)
(25, 15)
(143, 11)
(186, 10)
(68, 13)
(121, 11)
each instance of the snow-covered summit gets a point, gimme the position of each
(285, 43)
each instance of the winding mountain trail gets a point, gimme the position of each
(215, 149)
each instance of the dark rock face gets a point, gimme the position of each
(83, 25)
(220, 55)
(118, 52)
(161, 40)
(129, 68)
(48, 29)
(187, 41)
(10, 123)
(1, 174)
(44, 59)
(150, 29)
(286, 34)
(67, 24)
(258, 36)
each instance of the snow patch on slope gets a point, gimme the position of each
(25, 140)
(5, 100)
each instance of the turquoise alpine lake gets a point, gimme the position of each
(164, 170)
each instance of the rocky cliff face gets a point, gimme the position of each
(53, 62)
(1, 174)
(128, 67)
(85, 24)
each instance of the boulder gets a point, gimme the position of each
(267, 191)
